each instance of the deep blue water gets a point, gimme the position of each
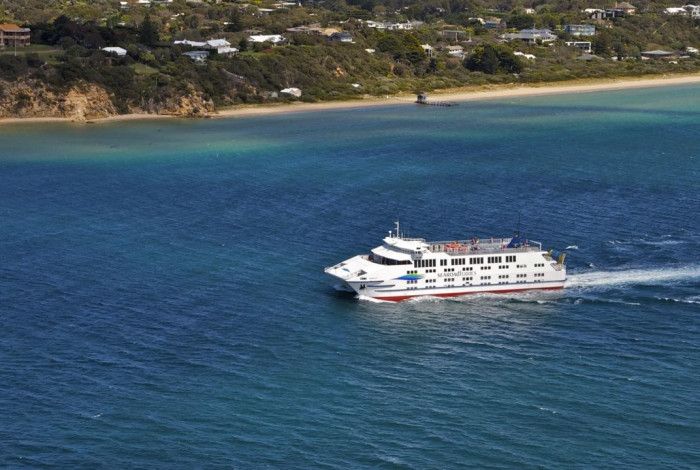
(162, 300)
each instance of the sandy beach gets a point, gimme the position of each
(460, 94)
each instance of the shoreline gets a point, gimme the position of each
(474, 93)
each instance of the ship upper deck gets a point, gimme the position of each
(480, 246)
(397, 246)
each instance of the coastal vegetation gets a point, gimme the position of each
(389, 47)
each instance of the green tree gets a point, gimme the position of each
(235, 22)
(483, 59)
(148, 32)
(432, 66)
(493, 59)
(519, 21)
(602, 43)
(507, 61)
(412, 49)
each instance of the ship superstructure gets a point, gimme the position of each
(404, 267)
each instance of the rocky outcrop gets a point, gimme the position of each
(190, 104)
(86, 101)
(25, 99)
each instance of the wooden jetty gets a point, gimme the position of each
(422, 98)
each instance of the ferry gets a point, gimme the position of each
(402, 268)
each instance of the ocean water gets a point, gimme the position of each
(163, 302)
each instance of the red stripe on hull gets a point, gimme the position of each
(399, 298)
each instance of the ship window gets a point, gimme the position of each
(510, 259)
(443, 262)
(386, 261)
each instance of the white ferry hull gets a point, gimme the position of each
(388, 295)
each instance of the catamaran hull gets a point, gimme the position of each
(388, 295)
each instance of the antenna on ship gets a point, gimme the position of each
(398, 227)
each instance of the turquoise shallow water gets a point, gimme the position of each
(162, 301)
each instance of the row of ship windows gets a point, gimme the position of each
(451, 280)
(483, 278)
(483, 268)
(480, 260)
(424, 263)
(431, 263)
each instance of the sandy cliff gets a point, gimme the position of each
(85, 101)
(81, 102)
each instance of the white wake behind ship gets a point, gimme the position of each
(404, 267)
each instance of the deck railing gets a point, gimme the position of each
(482, 246)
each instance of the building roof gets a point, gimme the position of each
(657, 52)
(218, 43)
(120, 51)
(187, 42)
(11, 27)
(532, 34)
(273, 38)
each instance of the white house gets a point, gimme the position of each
(341, 37)
(524, 55)
(532, 36)
(221, 46)
(187, 42)
(455, 51)
(585, 46)
(120, 51)
(273, 38)
(295, 92)
(408, 25)
(197, 56)
(686, 10)
(675, 11)
(375, 24)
